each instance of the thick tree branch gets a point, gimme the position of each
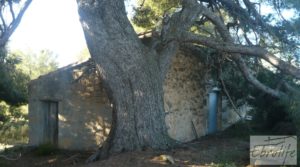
(221, 27)
(11, 10)
(172, 27)
(250, 78)
(244, 70)
(291, 88)
(215, 19)
(242, 49)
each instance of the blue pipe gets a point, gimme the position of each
(212, 111)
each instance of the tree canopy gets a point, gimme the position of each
(248, 33)
(35, 64)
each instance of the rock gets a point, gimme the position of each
(167, 158)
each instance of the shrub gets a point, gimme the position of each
(13, 124)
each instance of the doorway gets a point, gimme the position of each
(50, 122)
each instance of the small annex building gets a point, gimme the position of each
(70, 108)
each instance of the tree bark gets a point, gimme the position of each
(134, 74)
(131, 74)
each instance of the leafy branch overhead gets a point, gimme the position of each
(235, 27)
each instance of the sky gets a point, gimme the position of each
(53, 25)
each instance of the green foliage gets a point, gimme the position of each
(162, 6)
(36, 64)
(272, 31)
(16, 70)
(150, 13)
(271, 115)
(13, 82)
(13, 124)
(145, 17)
(292, 106)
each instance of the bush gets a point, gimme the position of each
(13, 124)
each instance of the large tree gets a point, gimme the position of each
(134, 73)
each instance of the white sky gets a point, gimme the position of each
(53, 25)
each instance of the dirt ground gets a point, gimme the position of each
(215, 151)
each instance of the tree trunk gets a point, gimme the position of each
(131, 74)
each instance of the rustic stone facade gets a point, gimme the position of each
(84, 111)
(185, 98)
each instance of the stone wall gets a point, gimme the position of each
(186, 98)
(84, 112)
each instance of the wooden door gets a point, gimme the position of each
(51, 122)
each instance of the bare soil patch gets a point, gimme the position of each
(217, 151)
